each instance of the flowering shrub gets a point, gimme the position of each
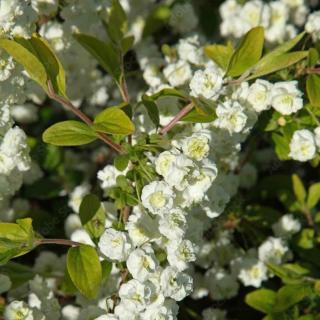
(157, 165)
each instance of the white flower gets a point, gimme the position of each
(196, 147)
(135, 294)
(207, 83)
(173, 224)
(286, 226)
(273, 250)
(302, 145)
(127, 311)
(214, 314)
(178, 73)
(25, 113)
(77, 195)
(180, 253)
(259, 95)
(108, 316)
(252, 272)
(166, 311)
(18, 310)
(173, 167)
(183, 17)
(6, 68)
(157, 197)
(174, 284)
(108, 176)
(189, 49)
(222, 285)
(70, 312)
(115, 244)
(286, 97)
(82, 236)
(231, 116)
(313, 25)
(142, 262)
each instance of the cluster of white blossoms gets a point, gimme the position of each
(280, 18)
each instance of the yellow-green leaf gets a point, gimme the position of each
(299, 189)
(247, 53)
(220, 54)
(69, 133)
(113, 121)
(313, 89)
(85, 270)
(313, 195)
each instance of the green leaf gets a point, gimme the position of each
(247, 53)
(313, 57)
(69, 133)
(220, 54)
(121, 161)
(106, 270)
(169, 92)
(5, 283)
(313, 85)
(16, 239)
(298, 189)
(38, 59)
(54, 69)
(261, 300)
(105, 53)
(270, 63)
(195, 116)
(290, 295)
(30, 62)
(113, 121)
(88, 208)
(85, 270)
(289, 273)
(92, 215)
(127, 44)
(152, 109)
(117, 24)
(313, 195)
(281, 145)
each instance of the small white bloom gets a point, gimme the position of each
(259, 95)
(174, 284)
(286, 226)
(189, 49)
(77, 195)
(173, 224)
(18, 310)
(252, 272)
(179, 254)
(142, 262)
(273, 250)
(302, 145)
(115, 244)
(196, 147)
(313, 25)
(166, 311)
(108, 176)
(82, 236)
(231, 116)
(286, 97)
(157, 197)
(70, 312)
(178, 73)
(207, 83)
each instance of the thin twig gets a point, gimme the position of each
(177, 118)
(63, 242)
(68, 105)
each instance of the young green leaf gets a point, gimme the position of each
(290, 295)
(271, 63)
(85, 270)
(121, 161)
(113, 121)
(88, 208)
(220, 54)
(281, 145)
(298, 189)
(152, 109)
(105, 53)
(69, 133)
(29, 60)
(313, 57)
(195, 116)
(247, 53)
(313, 89)
(313, 195)
(262, 300)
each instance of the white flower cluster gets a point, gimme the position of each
(280, 18)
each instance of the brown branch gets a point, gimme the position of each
(68, 105)
(177, 118)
